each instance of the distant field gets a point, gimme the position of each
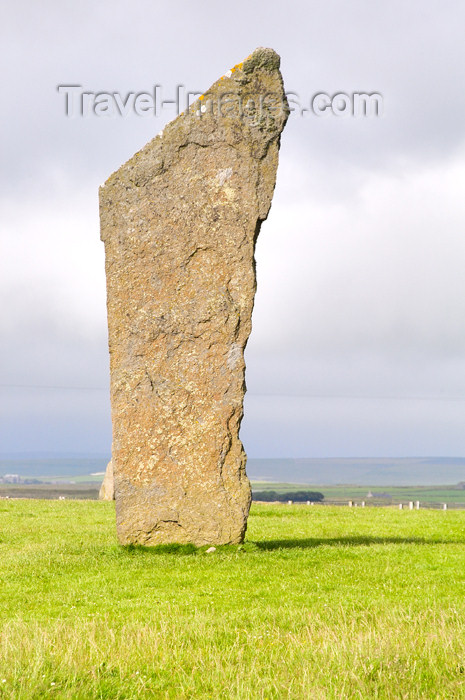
(318, 603)
(424, 494)
(87, 488)
(442, 494)
(346, 479)
(77, 479)
(50, 491)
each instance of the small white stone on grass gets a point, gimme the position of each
(210, 550)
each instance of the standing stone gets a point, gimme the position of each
(107, 489)
(179, 221)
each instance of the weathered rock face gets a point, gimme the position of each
(107, 489)
(179, 222)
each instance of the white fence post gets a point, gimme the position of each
(400, 506)
(417, 505)
(410, 505)
(363, 504)
(444, 506)
(350, 504)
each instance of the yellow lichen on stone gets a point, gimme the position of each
(238, 66)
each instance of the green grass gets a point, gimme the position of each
(318, 603)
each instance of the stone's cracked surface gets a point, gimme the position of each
(179, 221)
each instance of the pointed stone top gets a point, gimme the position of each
(262, 57)
(248, 101)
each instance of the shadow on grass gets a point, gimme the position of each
(160, 549)
(272, 545)
(349, 541)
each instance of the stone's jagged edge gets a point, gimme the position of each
(180, 220)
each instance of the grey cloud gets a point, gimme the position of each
(360, 284)
(412, 57)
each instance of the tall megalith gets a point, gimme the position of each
(179, 221)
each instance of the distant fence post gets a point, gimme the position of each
(444, 506)
(350, 504)
(410, 505)
(417, 505)
(363, 504)
(400, 506)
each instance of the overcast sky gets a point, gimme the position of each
(358, 341)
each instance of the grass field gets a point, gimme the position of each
(318, 603)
